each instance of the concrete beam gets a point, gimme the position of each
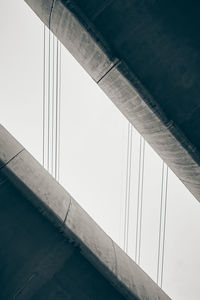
(145, 56)
(45, 232)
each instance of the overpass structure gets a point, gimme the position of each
(145, 56)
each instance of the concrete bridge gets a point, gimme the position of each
(145, 56)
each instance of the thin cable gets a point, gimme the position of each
(49, 101)
(44, 94)
(59, 110)
(138, 200)
(160, 224)
(126, 191)
(52, 112)
(129, 186)
(164, 229)
(141, 203)
(56, 134)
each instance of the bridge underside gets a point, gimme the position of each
(145, 56)
(37, 261)
(50, 248)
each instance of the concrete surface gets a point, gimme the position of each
(50, 248)
(151, 48)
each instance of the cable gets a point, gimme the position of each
(164, 229)
(140, 200)
(59, 110)
(160, 223)
(44, 94)
(52, 113)
(49, 101)
(126, 190)
(129, 186)
(56, 134)
(141, 203)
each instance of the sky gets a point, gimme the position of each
(93, 153)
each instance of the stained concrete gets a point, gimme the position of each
(50, 248)
(152, 46)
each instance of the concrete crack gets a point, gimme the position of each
(117, 62)
(67, 210)
(11, 159)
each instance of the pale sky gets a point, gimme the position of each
(93, 153)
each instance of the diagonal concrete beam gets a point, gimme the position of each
(30, 202)
(144, 55)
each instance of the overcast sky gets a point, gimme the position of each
(93, 153)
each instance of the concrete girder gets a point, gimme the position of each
(50, 248)
(151, 50)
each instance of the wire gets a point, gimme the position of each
(59, 111)
(126, 190)
(160, 223)
(49, 101)
(52, 112)
(140, 200)
(129, 186)
(44, 94)
(56, 134)
(164, 229)
(141, 203)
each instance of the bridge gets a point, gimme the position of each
(144, 55)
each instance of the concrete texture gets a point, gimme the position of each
(9, 147)
(86, 48)
(51, 249)
(43, 9)
(151, 48)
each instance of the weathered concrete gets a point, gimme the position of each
(9, 147)
(51, 249)
(151, 49)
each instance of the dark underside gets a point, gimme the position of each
(37, 261)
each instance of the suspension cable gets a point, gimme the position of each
(126, 189)
(56, 133)
(140, 200)
(49, 101)
(44, 95)
(141, 203)
(162, 224)
(164, 229)
(52, 110)
(59, 112)
(128, 186)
